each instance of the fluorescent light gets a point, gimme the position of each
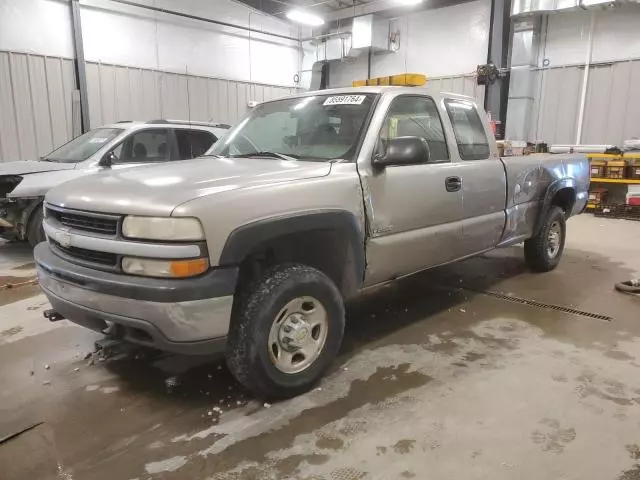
(305, 18)
(409, 2)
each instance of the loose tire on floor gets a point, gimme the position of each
(35, 230)
(275, 331)
(543, 252)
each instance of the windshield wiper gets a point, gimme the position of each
(281, 156)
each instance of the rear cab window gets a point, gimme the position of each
(469, 130)
(193, 143)
(150, 145)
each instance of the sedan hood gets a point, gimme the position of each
(33, 166)
(159, 189)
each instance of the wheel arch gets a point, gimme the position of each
(561, 193)
(330, 240)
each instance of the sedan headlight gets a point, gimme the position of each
(164, 268)
(162, 228)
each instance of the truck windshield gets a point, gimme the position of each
(318, 128)
(82, 147)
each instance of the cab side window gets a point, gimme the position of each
(467, 126)
(145, 146)
(414, 116)
(193, 143)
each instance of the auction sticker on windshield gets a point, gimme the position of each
(345, 100)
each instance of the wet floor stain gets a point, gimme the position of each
(385, 383)
(10, 332)
(551, 437)
(11, 295)
(404, 446)
(619, 355)
(589, 385)
(634, 451)
(329, 443)
(631, 474)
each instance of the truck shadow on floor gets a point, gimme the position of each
(205, 381)
(419, 302)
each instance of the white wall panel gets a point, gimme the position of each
(36, 26)
(555, 114)
(439, 42)
(343, 72)
(9, 144)
(58, 94)
(611, 108)
(170, 43)
(42, 119)
(615, 36)
(24, 114)
(35, 105)
(122, 93)
(462, 84)
(447, 41)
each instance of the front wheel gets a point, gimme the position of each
(35, 230)
(286, 331)
(543, 252)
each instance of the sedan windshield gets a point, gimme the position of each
(319, 127)
(82, 147)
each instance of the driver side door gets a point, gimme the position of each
(415, 210)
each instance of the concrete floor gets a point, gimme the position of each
(440, 377)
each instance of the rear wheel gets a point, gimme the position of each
(286, 331)
(543, 252)
(35, 230)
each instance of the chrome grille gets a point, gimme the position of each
(85, 221)
(84, 255)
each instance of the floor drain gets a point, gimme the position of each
(548, 306)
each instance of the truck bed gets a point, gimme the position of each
(532, 178)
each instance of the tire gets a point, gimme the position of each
(263, 312)
(543, 252)
(35, 231)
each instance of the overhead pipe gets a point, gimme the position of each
(204, 19)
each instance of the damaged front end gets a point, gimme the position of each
(14, 212)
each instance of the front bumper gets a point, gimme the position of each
(185, 316)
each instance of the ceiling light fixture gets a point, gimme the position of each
(409, 2)
(305, 18)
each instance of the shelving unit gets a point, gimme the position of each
(625, 181)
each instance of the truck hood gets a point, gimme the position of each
(32, 166)
(159, 189)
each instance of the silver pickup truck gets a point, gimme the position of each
(309, 201)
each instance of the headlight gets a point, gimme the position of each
(165, 268)
(162, 228)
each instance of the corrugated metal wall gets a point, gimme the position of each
(37, 97)
(612, 109)
(463, 84)
(35, 104)
(125, 93)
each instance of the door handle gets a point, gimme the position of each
(453, 184)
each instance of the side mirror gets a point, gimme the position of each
(403, 151)
(108, 159)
